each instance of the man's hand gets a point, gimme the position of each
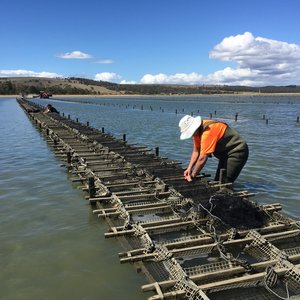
(189, 178)
(187, 175)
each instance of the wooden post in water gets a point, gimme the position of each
(267, 121)
(76, 120)
(69, 157)
(102, 129)
(124, 137)
(69, 117)
(222, 178)
(297, 119)
(157, 151)
(87, 123)
(236, 117)
(92, 188)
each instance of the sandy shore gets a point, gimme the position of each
(9, 96)
(245, 94)
(180, 95)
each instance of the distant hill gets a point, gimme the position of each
(76, 86)
(59, 86)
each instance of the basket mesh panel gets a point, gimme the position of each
(208, 268)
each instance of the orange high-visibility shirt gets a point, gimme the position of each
(207, 141)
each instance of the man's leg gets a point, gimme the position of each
(235, 165)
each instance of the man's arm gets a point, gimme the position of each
(193, 160)
(201, 161)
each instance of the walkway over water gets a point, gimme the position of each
(194, 240)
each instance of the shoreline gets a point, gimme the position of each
(245, 94)
(180, 95)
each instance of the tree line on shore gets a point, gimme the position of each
(76, 86)
(155, 89)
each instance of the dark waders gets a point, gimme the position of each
(232, 152)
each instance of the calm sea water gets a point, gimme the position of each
(52, 247)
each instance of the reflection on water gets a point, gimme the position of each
(52, 247)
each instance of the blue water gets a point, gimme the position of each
(52, 247)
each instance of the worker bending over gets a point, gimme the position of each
(217, 138)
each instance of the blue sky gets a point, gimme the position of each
(253, 42)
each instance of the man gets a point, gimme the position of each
(217, 138)
(50, 108)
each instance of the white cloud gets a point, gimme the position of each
(260, 61)
(128, 82)
(27, 73)
(74, 55)
(107, 76)
(233, 77)
(104, 61)
(178, 78)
